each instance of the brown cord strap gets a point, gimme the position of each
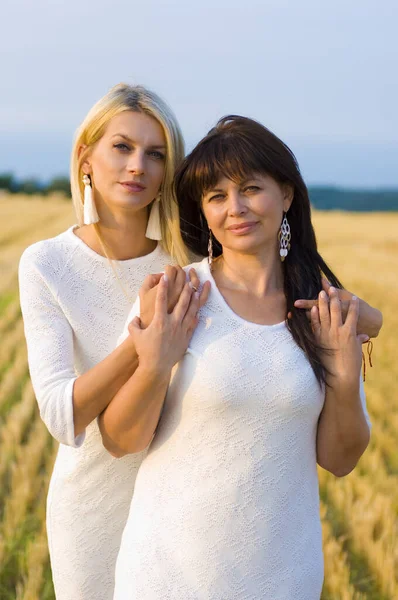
(369, 351)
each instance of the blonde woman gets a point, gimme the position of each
(76, 291)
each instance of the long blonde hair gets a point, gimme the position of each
(138, 99)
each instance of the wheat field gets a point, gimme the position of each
(359, 512)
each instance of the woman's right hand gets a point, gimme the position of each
(164, 341)
(370, 319)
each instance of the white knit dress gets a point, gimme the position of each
(74, 311)
(226, 503)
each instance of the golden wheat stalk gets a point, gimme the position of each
(337, 571)
(25, 485)
(10, 315)
(8, 281)
(14, 376)
(36, 554)
(14, 428)
(11, 342)
(370, 521)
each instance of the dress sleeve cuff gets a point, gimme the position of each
(72, 440)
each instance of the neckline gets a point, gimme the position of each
(129, 261)
(228, 309)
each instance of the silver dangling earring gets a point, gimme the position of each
(284, 237)
(153, 230)
(90, 214)
(210, 250)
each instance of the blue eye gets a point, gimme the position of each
(156, 154)
(122, 147)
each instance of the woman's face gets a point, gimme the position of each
(127, 163)
(246, 217)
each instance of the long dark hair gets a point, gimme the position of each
(235, 147)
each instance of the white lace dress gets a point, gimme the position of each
(226, 503)
(74, 311)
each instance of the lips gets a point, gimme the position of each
(242, 227)
(133, 186)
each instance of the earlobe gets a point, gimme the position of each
(86, 168)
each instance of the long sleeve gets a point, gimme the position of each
(49, 338)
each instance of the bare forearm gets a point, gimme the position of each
(128, 423)
(370, 320)
(343, 432)
(94, 389)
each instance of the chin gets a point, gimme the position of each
(247, 243)
(131, 201)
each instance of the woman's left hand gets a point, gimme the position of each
(343, 346)
(176, 281)
(370, 319)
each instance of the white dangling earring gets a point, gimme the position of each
(210, 250)
(89, 209)
(153, 230)
(284, 237)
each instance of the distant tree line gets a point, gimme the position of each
(31, 186)
(333, 198)
(322, 197)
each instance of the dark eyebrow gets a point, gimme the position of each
(241, 183)
(129, 139)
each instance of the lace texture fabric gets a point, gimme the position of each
(226, 503)
(74, 310)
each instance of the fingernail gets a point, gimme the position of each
(196, 294)
(332, 289)
(165, 278)
(355, 298)
(323, 295)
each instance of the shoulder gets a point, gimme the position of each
(202, 269)
(214, 306)
(48, 257)
(157, 260)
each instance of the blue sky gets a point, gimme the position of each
(322, 76)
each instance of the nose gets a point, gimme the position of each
(236, 204)
(136, 163)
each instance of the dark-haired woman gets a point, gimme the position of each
(226, 502)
